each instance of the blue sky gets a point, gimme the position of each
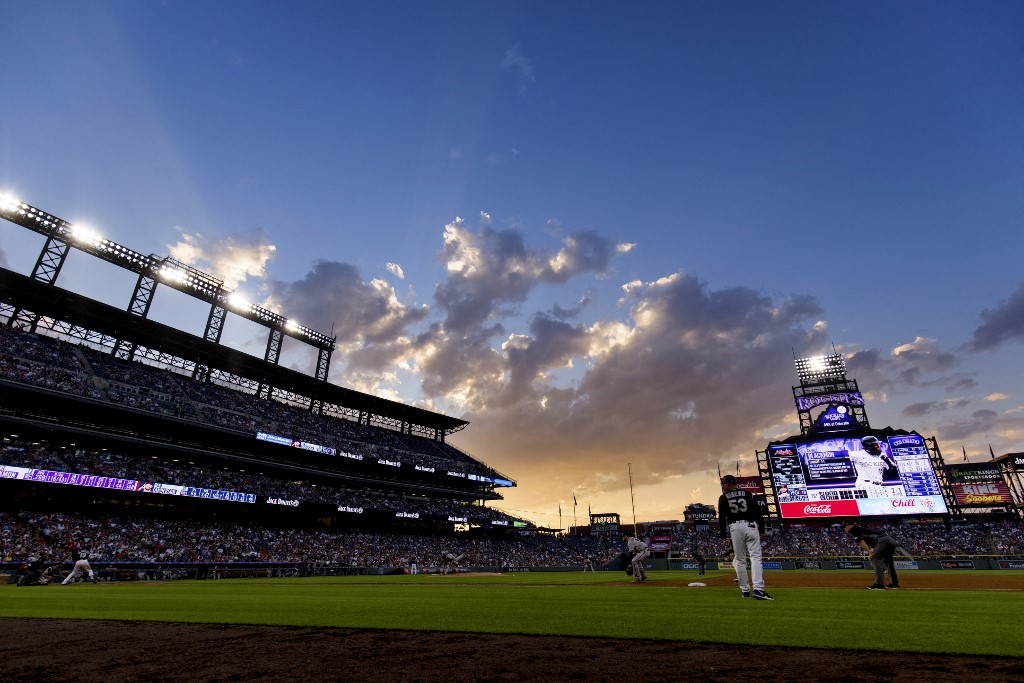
(599, 232)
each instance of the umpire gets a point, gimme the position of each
(739, 517)
(881, 549)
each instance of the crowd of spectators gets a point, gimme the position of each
(44, 361)
(918, 540)
(124, 539)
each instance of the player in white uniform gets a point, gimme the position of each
(740, 519)
(452, 562)
(82, 568)
(871, 464)
(639, 552)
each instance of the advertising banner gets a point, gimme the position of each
(850, 564)
(982, 495)
(836, 508)
(956, 564)
(752, 484)
(973, 473)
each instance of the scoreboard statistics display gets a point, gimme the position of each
(836, 477)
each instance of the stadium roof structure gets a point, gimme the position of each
(47, 300)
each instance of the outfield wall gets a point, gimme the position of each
(994, 562)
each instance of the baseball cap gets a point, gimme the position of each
(869, 439)
(846, 522)
(728, 479)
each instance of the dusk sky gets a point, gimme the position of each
(598, 231)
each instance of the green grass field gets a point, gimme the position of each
(574, 604)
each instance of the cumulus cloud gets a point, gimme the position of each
(920, 409)
(979, 422)
(1002, 324)
(920, 363)
(396, 270)
(689, 366)
(232, 259)
(368, 319)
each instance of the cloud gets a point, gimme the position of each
(232, 259)
(997, 397)
(368, 318)
(1002, 324)
(396, 270)
(488, 269)
(920, 363)
(516, 62)
(979, 422)
(665, 390)
(916, 410)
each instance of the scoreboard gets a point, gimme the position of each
(836, 477)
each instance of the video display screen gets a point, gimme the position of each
(843, 476)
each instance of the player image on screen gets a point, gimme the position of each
(872, 463)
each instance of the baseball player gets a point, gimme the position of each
(82, 568)
(881, 549)
(871, 464)
(739, 518)
(38, 572)
(452, 561)
(639, 552)
(698, 557)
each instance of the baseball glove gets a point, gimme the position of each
(629, 570)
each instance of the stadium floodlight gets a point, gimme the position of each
(831, 366)
(172, 274)
(238, 302)
(291, 325)
(9, 204)
(85, 235)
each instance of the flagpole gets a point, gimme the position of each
(575, 524)
(636, 533)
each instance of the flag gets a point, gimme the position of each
(737, 467)
(965, 452)
(990, 452)
(559, 509)
(574, 500)
(719, 470)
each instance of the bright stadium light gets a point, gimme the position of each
(821, 367)
(83, 234)
(238, 302)
(172, 274)
(9, 204)
(291, 325)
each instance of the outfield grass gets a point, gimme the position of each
(576, 604)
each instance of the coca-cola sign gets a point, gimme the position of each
(832, 508)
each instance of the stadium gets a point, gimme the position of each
(173, 462)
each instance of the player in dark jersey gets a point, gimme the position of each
(739, 518)
(881, 549)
